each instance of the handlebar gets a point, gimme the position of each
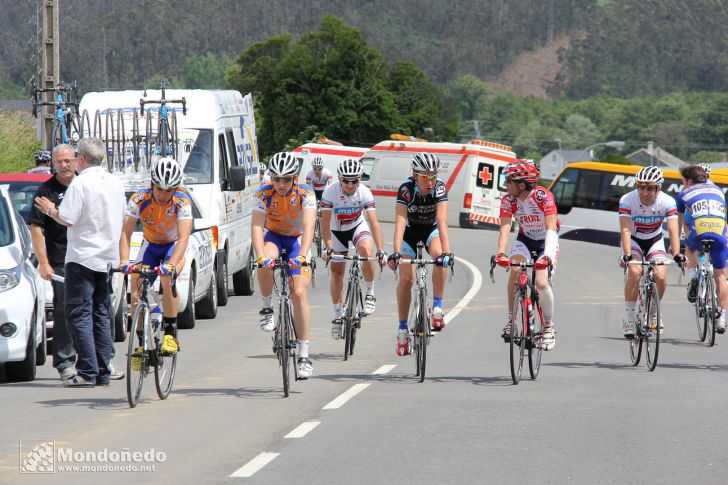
(518, 265)
(182, 101)
(145, 272)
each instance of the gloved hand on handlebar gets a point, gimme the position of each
(624, 260)
(393, 260)
(381, 257)
(297, 262)
(542, 263)
(126, 266)
(165, 269)
(502, 260)
(680, 259)
(326, 255)
(265, 262)
(445, 259)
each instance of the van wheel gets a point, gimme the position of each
(207, 307)
(24, 370)
(222, 279)
(186, 319)
(121, 316)
(243, 280)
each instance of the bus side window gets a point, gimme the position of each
(563, 190)
(588, 191)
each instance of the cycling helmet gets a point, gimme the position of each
(350, 168)
(317, 162)
(42, 156)
(650, 176)
(522, 170)
(706, 167)
(425, 162)
(283, 164)
(532, 162)
(167, 174)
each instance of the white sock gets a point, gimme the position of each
(370, 287)
(629, 309)
(268, 301)
(303, 348)
(337, 310)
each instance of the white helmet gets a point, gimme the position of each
(650, 176)
(283, 164)
(350, 168)
(706, 167)
(167, 174)
(425, 162)
(317, 162)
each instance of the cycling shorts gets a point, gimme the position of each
(524, 246)
(153, 255)
(292, 246)
(650, 249)
(718, 250)
(415, 234)
(319, 194)
(340, 239)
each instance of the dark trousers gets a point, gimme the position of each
(88, 312)
(64, 354)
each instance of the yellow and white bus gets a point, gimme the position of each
(587, 197)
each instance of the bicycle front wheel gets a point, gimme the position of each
(652, 329)
(165, 365)
(711, 305)
(421, 331)
(281, 342)
(136, 358)
(317, 236)
(518, 341)
(348, 323)
(535, 338)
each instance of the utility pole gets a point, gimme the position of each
(49, 70)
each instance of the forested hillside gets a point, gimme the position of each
(620, 48)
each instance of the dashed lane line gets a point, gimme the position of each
(384, 369)
(348, 394)
(254, 465)
(303, 429)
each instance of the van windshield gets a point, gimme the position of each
(198, 166)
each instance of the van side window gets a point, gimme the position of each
(231, 148)
(367, 164)
(223, 162)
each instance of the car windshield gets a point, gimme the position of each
(198, 164)
(6, 225)
(22, 193)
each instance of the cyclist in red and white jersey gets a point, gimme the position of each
(535, 209)
(319, 177)
(641, 214)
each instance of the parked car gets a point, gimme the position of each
(196, 284)
(22, 297)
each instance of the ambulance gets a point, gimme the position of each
(472, 172)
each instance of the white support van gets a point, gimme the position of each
(472, 172)
(331, 154)
(219, 153)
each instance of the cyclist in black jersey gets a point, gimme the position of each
(421, 215)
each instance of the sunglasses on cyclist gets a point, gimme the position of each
(426, 178)
(349, 181)
(281, 179)
(648, 188)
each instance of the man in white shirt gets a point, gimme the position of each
(93, 210)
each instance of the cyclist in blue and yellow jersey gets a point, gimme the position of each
(704, 203)
(284, 214)
(165, 211)
(421, 216)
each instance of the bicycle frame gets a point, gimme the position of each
(166, 145)
(64, 105)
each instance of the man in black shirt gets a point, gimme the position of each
(49, 243)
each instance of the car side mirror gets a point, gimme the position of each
(237, 178)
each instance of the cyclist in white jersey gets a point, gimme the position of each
(319, 177)
(344, 206)
(641, 214)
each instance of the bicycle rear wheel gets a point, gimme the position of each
(56, 135)
(163, 133)
(97, 125)
(518, 341)
(121, 140)
(710, 308)
(149, 142)
(635, 346)
(535, 337)
(165, 365)
(317, 235)
(135, 138)
(85, 126)
(136, 358)
(109, 142)
(701, 316)
(652, 329)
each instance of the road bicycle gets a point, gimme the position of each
(163, 142)
(353, 303)
(648, 319)
(66, 121)
(420, 317)
(317, 232)
(145, 355)
(706, 304)
(527, 322)
(284, 335)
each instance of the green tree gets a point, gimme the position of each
(205, 71)
(705, 156)
(469, 94)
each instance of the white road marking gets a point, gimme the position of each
(477, 283)
(254, 465)
(303, 429)
(343, 398)
(381, 371)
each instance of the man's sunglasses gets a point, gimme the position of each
(349, 181)
(281, 179)
(649, 188)
(427, 178)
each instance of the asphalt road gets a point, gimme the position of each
(589, 418)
